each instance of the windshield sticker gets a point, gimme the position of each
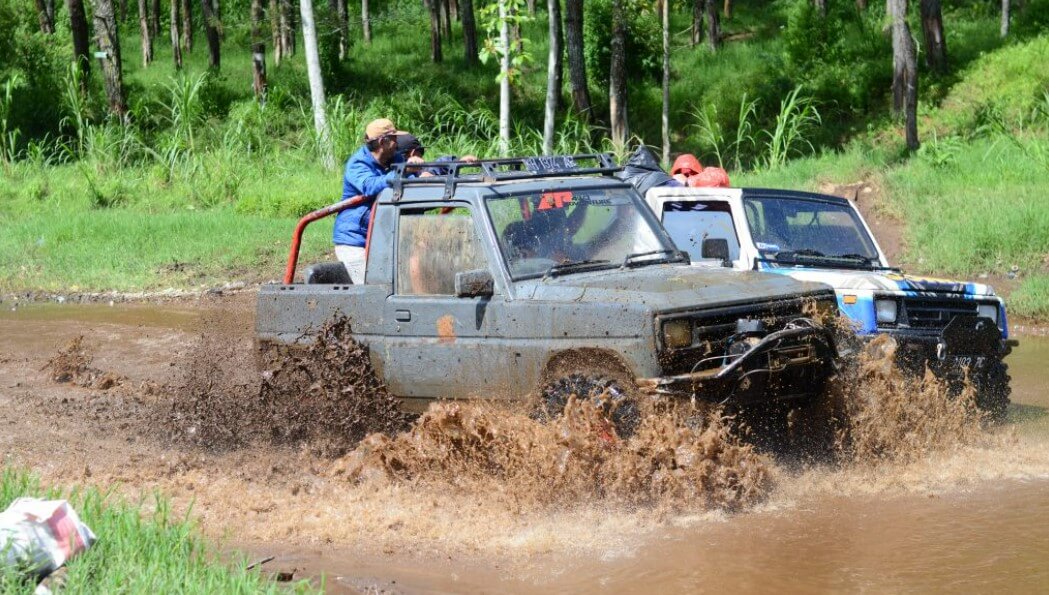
(769, 247)
(554, 200)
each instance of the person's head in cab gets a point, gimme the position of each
(381, 138)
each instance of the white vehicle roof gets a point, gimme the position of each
(657, 197)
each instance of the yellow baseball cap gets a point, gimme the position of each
(381, 127)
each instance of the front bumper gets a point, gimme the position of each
(968, 341)
(786, 364)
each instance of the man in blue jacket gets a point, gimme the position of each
(368, 172)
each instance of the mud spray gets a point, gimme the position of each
(304, 445)
(324, 395)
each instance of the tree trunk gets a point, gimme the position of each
(861, 5)
(313, 69)
(713, 26)
(905, 72)
(366, 22)
(515, 37)
(504, 80)
(446, 19)
(697, 22)
(287, 28)
(81, 51)
(1005, 18)
(211, 32)
(187, 26)
(821, 6)
(554, 68)
(47, 19)
(147, 36)
(453, 5)
(108, 38)
(154, 19)
(216, 10)
(122, 8)
(176, 50)
(727, 9)
(435, 31)
(275, 33)
(576, 61)
(469, 31)
(617, 97)
(666, 81)
(932, 30)
(531, 8)
(343, 19)
(258, 53)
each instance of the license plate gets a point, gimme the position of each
(968, 361)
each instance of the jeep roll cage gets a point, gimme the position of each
(457, 172)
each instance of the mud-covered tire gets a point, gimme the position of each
(993, 391)
(618, 404)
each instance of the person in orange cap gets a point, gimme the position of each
(710, 177)
(685, 166)
(368, 172)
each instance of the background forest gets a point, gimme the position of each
(185, 164)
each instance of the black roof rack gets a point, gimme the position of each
(501, 170)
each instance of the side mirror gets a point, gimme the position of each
(475, 283)
(716, 248)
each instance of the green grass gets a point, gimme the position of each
(142, 548)
(126, 249)
(1030, 299)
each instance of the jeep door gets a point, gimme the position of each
(439, 345)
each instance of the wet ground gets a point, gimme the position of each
(970, 518)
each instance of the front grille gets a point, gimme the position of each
(932, 313)
(712, 329)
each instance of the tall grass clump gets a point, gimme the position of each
(8, 133)
(797, 117)
(142, 548)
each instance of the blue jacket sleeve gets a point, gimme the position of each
(368, 182)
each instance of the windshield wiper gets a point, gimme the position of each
(629, 260)
(792, 255)
(569, 267)
(860, 257)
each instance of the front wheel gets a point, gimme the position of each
(617, 403)
(992, 390)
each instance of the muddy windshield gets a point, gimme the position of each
(552, 233)
(793, 232)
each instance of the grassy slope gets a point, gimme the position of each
(140, 549)
(973, 199)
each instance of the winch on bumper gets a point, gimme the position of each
(966, 342)
(756, 365)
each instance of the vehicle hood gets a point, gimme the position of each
(669, 288)
(886, 281)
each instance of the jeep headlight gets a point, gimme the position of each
(988, 311)
(885, 311)
(677, 333)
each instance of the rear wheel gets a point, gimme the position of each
(615, 401)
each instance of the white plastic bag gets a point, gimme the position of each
(41, 535)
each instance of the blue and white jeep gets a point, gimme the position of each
(951, 327)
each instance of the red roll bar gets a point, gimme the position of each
(296, 238)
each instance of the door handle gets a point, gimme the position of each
(402, 315)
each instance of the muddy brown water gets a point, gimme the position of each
(971, 520)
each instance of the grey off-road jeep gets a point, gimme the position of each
(539, 277)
